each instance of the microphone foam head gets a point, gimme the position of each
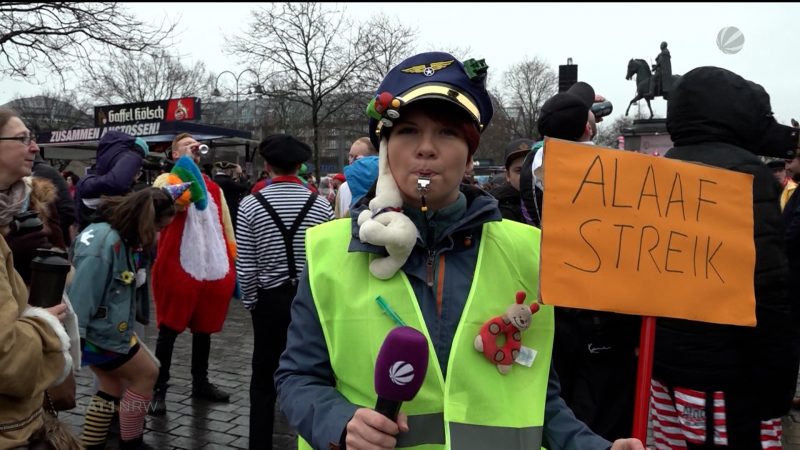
(401, 365)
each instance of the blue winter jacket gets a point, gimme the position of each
(305, 377)
(104, 303)
(360, 176)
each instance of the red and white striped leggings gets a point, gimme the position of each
(679, 421)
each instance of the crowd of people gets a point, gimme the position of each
(403, 224)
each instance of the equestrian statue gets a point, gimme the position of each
(650, 86)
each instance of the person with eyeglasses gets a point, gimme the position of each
(35, 351)
(22, 195)
(24, 139)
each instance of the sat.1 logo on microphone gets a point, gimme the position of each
(401, 373)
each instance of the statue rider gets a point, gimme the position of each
(662, 73)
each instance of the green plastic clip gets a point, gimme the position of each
(475, 68)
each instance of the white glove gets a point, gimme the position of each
(141, 277)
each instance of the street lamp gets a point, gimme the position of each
(257, 88)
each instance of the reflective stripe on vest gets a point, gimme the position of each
(477, 407)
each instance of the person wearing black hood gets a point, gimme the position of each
(721, 385)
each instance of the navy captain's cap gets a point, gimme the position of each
(431, 75)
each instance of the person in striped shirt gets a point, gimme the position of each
(270, 232)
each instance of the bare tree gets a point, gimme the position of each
(282, 114)
(318, 49)
(52, 111)
(59, 36)
(391, 42)
(526, 86)
(609, 131)
(146, 77)
(499, 132)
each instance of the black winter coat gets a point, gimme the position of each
(234, 192)
(508, 200)
(706, 125)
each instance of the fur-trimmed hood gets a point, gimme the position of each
(43, 194)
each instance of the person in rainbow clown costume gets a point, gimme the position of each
(194, 275)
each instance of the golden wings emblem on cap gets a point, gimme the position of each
(428, 70)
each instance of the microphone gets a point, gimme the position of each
(400, 369)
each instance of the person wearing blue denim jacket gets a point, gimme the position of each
(109, 261)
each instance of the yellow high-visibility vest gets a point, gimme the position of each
(474, 406)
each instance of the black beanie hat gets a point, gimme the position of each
(563, 116)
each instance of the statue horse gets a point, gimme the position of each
(641, 69)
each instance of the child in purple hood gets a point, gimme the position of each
(119, 159)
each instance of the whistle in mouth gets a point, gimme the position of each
(423, 183)
(422, 187)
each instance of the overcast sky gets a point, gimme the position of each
(600, 39)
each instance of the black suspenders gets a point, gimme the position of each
(288, 235)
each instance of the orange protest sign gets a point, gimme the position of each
(637, 234)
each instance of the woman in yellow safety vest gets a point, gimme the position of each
(438, 254)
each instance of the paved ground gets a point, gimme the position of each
(791, 431)
(791, 428)
(194, 424)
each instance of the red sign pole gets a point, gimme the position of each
(641, 406)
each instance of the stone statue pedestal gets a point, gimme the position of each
(648, 136)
